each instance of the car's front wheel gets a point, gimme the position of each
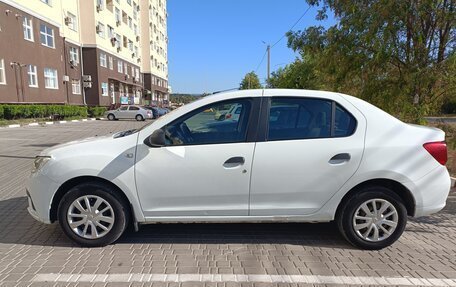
(373, 219)
(92, 215)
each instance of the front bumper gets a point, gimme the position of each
(40, 191)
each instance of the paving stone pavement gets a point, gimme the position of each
(28, 248)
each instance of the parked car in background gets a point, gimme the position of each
(155, 112)
(288, 156)
(162, 111)
(129, 112)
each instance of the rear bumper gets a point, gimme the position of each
(431, 191)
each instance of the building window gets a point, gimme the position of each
(137, 73)
(118, 39)
(49, 2)
(129, 2)
(110, 32)
(2, 72)
(126, 69)
(119, 66)
(135, 11)
(103, 60)
(73, 22)
(28, 28)
(130, 23)
(74, 54)
(117, 15)
(33, 76)
(76, 87)
(47, 36)
(100, 4)
(50, 78)
(101, 30)
(104, 89)
(111, 63)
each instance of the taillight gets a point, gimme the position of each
(438, 150)
(228, 116)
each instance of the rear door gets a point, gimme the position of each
(312, 147)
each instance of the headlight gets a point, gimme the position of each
(39, 162)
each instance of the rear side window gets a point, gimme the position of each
(344, 123)
(307, 118)
(134, 109)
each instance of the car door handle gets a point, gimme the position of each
(234, 162)
(340, 158)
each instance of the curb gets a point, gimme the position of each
(49, 123)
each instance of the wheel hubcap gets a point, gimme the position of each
(375, 220)
(90, 217)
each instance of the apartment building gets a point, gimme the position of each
(81, 52)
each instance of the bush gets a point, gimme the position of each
(11, 112)
(96, 111)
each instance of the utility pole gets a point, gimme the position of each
(269, 60)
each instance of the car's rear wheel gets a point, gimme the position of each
(139, 118)
(92, 215)
(372, 219)
(111, 117)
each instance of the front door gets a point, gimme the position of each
(204, 169)
(313, 146)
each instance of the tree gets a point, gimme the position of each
(250, 81)
(397, 54)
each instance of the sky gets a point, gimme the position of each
(214, 43)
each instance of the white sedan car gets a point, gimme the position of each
(290, 156)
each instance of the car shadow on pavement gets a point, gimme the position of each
(18, 227)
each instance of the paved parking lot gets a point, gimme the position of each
(34, 254)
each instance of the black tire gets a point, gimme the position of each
(346, 215)
(139, 118)
(111, 117)
(119, 207)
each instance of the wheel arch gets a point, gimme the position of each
(65, 187)
(398, 188)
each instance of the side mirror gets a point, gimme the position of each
(156, 139)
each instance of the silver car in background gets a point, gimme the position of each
(129, 112)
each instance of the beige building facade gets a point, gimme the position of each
(90, 52)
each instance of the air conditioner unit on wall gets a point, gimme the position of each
(118, 23)
(113, 41)
(66, 78)
(73, 63)
(68, 21)
(99, 8)
(98, 29)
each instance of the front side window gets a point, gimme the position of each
(103, 60)
(33, 76)
(50, 78)
(124, 108)
(2, 72)
(76, 87)
(28, 28)
(308, 118)
(47, 36)
(213, 124)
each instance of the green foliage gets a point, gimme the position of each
(183, 98)
(11, 112)
(397, 54)
(250, 81)
(95, 112)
